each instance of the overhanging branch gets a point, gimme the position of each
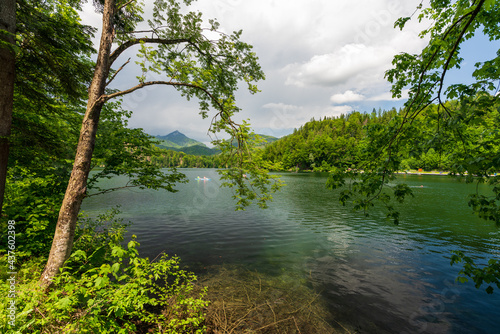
(167, 83)
(119, 50)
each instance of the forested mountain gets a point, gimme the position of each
(268, 139)
(348, 141)
(320, 145)
(177, 141)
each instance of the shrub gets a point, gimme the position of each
(106, 288)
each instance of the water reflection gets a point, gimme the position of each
(379, 277)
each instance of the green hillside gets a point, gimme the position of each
(268, 139)
(177, 140)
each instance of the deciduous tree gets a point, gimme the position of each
(175, 49)
(49, 49)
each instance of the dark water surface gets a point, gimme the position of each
(375, 276)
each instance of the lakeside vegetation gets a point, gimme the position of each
(61, 119)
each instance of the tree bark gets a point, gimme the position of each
(77, 185)
(7, 77)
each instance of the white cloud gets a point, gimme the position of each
(314, 53)
(286, 116)
(349, 65)
(348, 96)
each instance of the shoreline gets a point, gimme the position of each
(424, 173)
(443, 173)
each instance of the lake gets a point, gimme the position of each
(375, 276)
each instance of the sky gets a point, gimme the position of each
(320, 57)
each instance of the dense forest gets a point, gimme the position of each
(346, 141)
(320, 145)
(171, 158)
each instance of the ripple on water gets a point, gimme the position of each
(379, 277)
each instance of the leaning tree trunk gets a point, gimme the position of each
(7, 77)
(77, 185)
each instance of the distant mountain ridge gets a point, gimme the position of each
(177, 141)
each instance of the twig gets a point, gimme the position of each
(274, 323)
(114, 75)
(274, 314)
(125, 4)
(296, 326)
(244, 317)
(307, 305)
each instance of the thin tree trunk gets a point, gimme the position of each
(77, 185)
(7, 77)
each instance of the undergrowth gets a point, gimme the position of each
(105, 288)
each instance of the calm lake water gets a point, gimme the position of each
(375, 276)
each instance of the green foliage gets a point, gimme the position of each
(459, 134)
(247, 177)
(37, 182)
(107, 288)
(365, 189)
(52, 63)
(96, 236)
(487, 207)
(169, 158)
(53, 69)
(123, 151)
(487, 274)
(33, 199)
(322, 145)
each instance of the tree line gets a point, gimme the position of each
(171, 158)
(347, 141)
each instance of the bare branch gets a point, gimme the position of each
(114, 75)
(135, 32)
(458, 41)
